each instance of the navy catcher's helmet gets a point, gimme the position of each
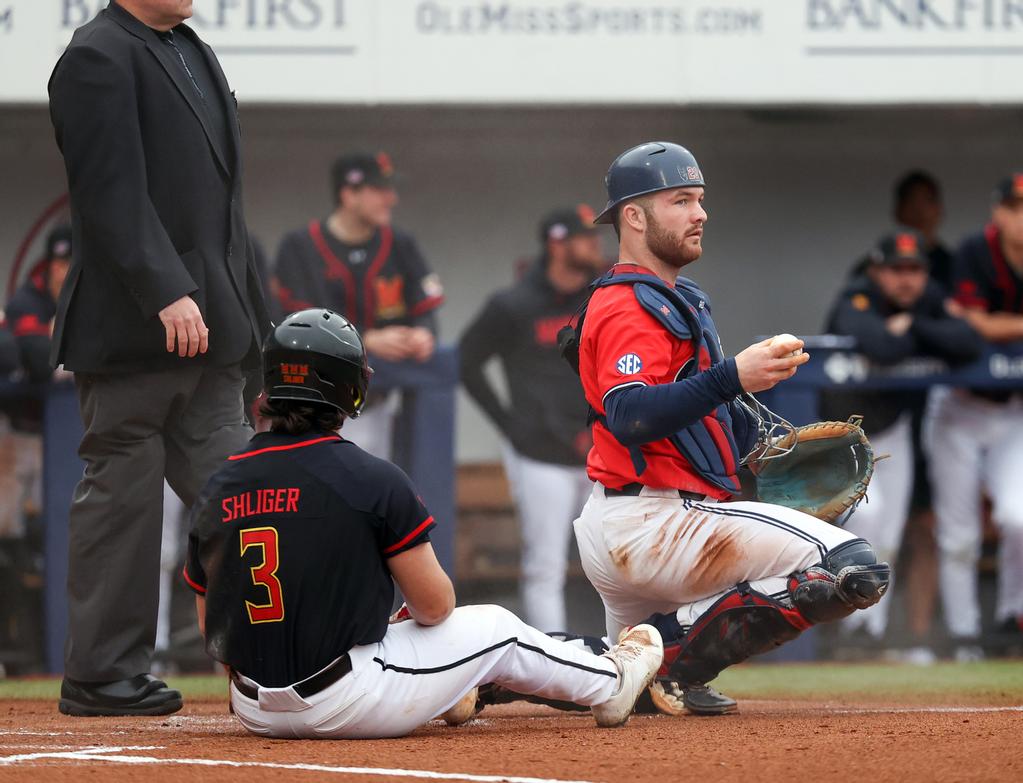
(652, 166)
(316, 356)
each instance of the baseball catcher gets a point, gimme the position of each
(662, 538)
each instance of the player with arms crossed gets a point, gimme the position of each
(293, 548)
(659, 538)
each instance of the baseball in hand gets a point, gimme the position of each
(787, 338)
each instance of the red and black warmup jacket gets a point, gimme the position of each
(983, 278)
(385, 282)
(29, 315)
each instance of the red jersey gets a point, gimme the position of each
(623, 345)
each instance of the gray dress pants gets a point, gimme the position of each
(139, 428)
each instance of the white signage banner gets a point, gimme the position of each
(747, 52)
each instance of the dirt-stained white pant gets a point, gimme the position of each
(548, 497)
(659, 553)
(881, 518)
(974, 444)
(418, 672)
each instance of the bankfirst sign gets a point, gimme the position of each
(745, 52)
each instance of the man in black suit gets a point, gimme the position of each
(160, 314)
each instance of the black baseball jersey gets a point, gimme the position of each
(983, 277)
(385, 282)
(861, 312)
(546, 418)
(29, 316)
(289, 544)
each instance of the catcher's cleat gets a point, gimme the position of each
(637, 656)
(667, 697)
(463, 710)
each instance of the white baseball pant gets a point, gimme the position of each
(881, 517)
(175, 530)
(660, 553)
(418, 672)
(974, 444)
(373, 431)
(548, 497)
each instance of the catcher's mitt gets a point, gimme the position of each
(825, 473)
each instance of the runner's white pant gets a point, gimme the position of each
(974, 444)
(881, 517)
(418, 672)
(659, 553)
(373, 431)
(548, 497)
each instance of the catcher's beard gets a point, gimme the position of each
(669, 246)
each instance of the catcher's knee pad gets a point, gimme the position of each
(742, 623)
(849, 578)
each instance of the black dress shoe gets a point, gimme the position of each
(141, 695)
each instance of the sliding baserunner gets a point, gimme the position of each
(292, 552)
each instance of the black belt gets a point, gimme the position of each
(310, 686)
(633, 490)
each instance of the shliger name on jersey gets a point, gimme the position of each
(283, 500)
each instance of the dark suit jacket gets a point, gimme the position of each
(156, 206)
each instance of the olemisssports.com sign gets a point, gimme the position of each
(752, 52)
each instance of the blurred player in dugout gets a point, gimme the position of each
(975, 436)
(31, 310)
(354, 262)
(918, 205)
(896, 311)
(546, 435)
(25, 326)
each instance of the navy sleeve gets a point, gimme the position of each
(8, 351)
(405, 522)
(644, 414)
(872, 337)
(289, 283)
(482, 340)
(423, 290)
(30, 321)
(942, 335)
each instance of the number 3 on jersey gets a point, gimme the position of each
(264, 574)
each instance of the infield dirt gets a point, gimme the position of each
(767, 741)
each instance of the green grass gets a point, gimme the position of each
(199, 687)
(944, 683)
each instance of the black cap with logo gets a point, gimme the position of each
(901, 247)
(362, 169)
(58, 243)
(1009, 189)
(564, 223)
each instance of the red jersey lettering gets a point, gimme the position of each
(259, 502)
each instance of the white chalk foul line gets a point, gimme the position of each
(106, 754)
(908, 710)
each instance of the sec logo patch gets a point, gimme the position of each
(630, 364)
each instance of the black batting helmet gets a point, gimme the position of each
(316, 356)
(647, 168)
